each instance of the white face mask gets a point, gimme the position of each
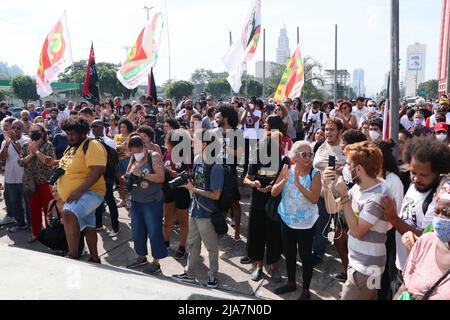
(139, 156)
(417, 121)
(347, 175)
(373, 110)
(441, 137)
(160, 110)
(374, 135)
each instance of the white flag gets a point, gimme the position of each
(243, 50)
(56, 56)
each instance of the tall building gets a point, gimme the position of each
(283, 50)
(270, 66)
(343, 78)
(415, 68)
(443, 62)
(358, 84)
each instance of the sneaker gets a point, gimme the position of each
(137, 263)
(7, 220)
(246, 260)
(98, 229)
(341, 277)
(113, 233)
(184, 277)
(257, 275)
(276, 277)
(152, 269)
(285, 289)
(306, 295)
(181, 254)
(233, 223)
(213, 283)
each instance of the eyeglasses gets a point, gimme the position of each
(441, 132)
(306, 154)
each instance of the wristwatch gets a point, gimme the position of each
(143, 175)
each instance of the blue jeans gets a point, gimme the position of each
(147, 222)
(15, 204)
(320, 243)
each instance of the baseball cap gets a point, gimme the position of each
(444, 101)
(441, 126)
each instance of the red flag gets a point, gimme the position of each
(90, 88)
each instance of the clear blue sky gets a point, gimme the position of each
(199, 31)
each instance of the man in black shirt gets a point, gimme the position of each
(4, 111)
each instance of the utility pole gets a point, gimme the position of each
(148, 77)
(148, 11)
(264, 63)
(394, 95)
(231, 43)
(335, 61)
(168, 43)
(298, 36)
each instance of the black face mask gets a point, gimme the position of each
(35, 136)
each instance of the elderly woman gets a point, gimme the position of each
(427, 272)
(37, 158)
(300, 187)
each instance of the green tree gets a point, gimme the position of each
(251, 87)
(178, 89)
(311, 92)
(220, 88)
(274, 80)
(109, 85)
(201, 76)
(24, 88)
(3, 95)
(429, 89)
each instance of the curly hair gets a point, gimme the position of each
(75, 124)
(427, 149)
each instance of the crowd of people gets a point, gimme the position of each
(328, 169)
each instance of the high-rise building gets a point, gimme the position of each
(270, 66)
(283, 50)
(358, 83)
(415, 68)
(444, 42)
(343, 79)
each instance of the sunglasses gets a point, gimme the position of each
(306, 155)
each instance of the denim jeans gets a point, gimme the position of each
(15, 204)
(147, 222)
(320, 242)
(111, 202)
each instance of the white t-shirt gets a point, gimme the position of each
(406, 123)
(396, 189)
(359, 113)
(412, 214)
(63, 115)
(251, 129)
(14, 172)
(316, 118)
(433, 119)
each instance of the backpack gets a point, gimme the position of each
(112, 159)
(229, 190)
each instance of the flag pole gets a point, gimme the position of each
(335, 61)
(71, 54)
(231, 43)
(168, 44)
(264, 63)
(394, 94)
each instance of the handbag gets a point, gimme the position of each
(217, 219)
(272, 208)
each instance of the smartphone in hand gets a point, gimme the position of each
(332, 162)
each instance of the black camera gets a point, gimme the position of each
(131, 181)
(180, 181)
(56, 174)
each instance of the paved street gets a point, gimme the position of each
(234, 277)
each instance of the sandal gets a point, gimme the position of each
(32, 238)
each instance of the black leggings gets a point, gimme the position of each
(303, 240)
(114, 213)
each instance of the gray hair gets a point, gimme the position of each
(18, 123)
(298, 145)
(6, 120)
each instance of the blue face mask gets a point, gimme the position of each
(442, 228)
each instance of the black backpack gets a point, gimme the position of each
(112, 159)
(229, 190)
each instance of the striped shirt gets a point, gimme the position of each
(367, 255)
